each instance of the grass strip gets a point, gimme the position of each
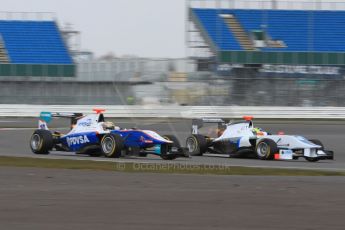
(168, 167)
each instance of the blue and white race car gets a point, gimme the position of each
(92, 135)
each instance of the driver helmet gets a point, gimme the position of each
(108, 125)
(256, 130)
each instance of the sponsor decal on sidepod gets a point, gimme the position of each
(77, 140)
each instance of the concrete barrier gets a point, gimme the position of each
(171, 111)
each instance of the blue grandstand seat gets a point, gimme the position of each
(301, 30)
(34, 42)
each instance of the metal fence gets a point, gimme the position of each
(196, 88)
(182, 111)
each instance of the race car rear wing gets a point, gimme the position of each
(199, 123)
(46, 117)
(66, 115)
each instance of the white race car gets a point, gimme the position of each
(242, 139)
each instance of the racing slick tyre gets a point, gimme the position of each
(265, 149)
(317, 142)
(164, 155)
(196, 144)
(112, 145)
(41, 141)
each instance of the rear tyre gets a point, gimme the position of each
(196, 144)
(112, 145)
(41, 142)
(265, 149)
(317, 142)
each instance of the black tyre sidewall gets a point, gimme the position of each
(117, 145)
(46, 144)
(273, 149)
(201, 144)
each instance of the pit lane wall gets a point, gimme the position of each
(172, 111)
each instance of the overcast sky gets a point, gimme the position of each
(149, 28)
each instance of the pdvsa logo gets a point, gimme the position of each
(85, 123)
(77, 140)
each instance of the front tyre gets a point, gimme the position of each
(41, 141)
(111, 145)
(265, 149)
(196, 144)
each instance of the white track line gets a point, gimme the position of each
(13, 129)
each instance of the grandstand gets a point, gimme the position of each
(271, 36)
(33, 48)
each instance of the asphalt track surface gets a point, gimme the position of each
(81, 199)
(15, 134)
